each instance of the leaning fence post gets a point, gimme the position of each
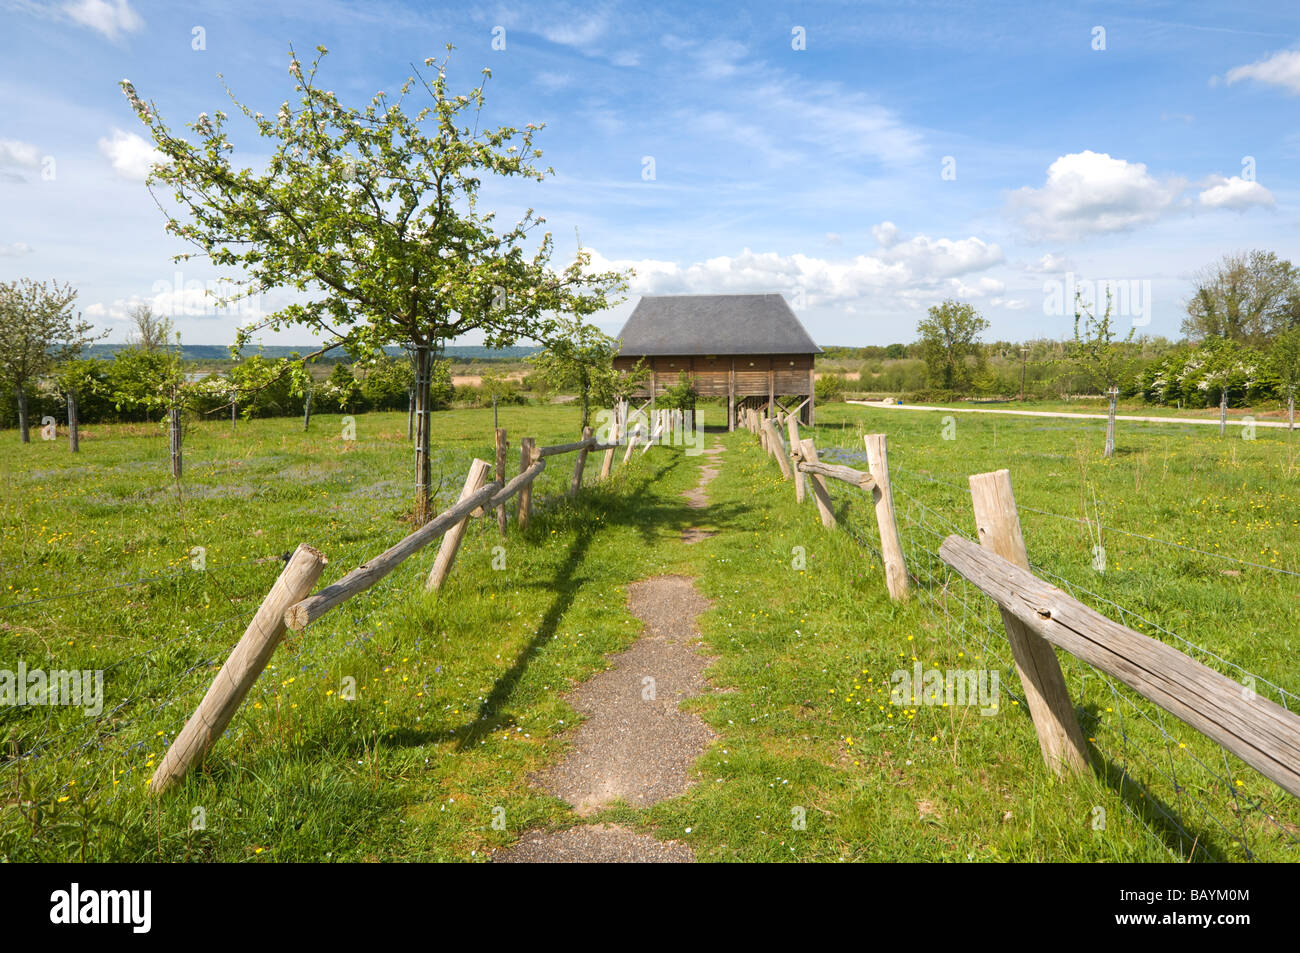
(241, 669)
(891, 548)
(778, 448)
(501, 475)
(631, 443)
(796, 454)
(576, 483)
(818, 484)
(526, 491)
(1048, 699)
(478, 474)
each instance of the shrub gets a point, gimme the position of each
(680, 396)
(829, 388)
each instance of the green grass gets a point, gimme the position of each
(459, 694)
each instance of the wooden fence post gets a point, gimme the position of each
(478, 473)
(576, 483)
(241, 669)
(631, 443)
(607, 465)
(796, 454)
(818, 484)
(525, 493)
(998, 525)
(778, 448)
(891, 548)
(501, 475)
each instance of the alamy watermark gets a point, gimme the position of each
(953, 687)
(82, 688)
(677, 428)
(1130, 297)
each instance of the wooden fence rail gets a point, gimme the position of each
(1038, 616)
(838, 472)
(290, 605)
(367, 574)
(1261, 733)
(800, 459)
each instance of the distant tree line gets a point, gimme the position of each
(1242, 338)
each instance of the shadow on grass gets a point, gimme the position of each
(653, 519)
(625, 502)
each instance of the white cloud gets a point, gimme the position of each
(13, 152)
(177, 299)
(886, 233)
(14, 249)
(1235, 192)
(1280, 69)
(572, 28)
(902, 276)
(1090, 193)
(552, 81)
(719, 58)
(1047, 264)
(109, 18)
(833, 120)
(753, 101)
(132, 157)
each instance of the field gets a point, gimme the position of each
(458, 694)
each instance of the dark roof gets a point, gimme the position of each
(714, 324)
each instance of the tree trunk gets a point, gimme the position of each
(1223, 411)
(423, 471)
(234, 411)
(1290, 410)
(1110, 423)
(24, 432)
(306, 411)
(410, 415)
(174, 432)
(73, 439)
(586, 397)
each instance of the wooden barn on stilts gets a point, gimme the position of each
(749, 348)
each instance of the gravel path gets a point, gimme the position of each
(635, 744)
(1238, 422)
(595, 844)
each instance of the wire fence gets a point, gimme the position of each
(1189, 795)
(51, 754)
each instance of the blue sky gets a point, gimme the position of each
(908, 153)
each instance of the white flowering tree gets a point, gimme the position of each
(371, 215)
(38, 330)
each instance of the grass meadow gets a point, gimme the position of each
(458, 695)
